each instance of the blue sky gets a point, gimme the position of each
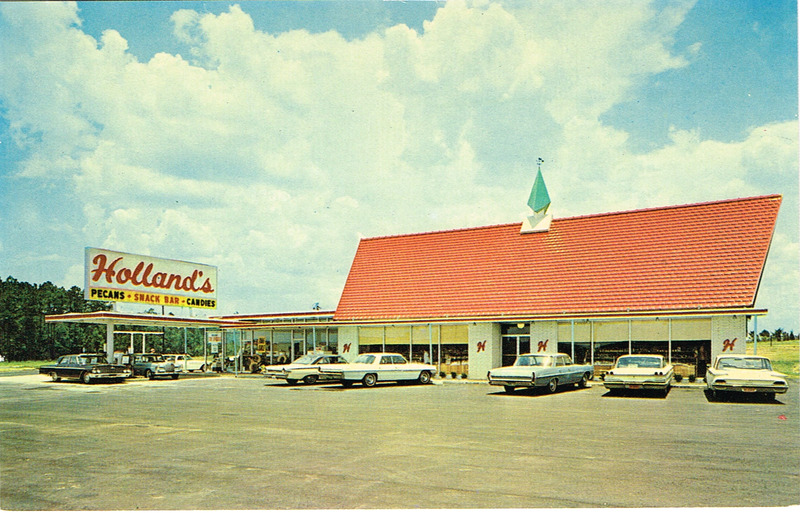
(267, 137)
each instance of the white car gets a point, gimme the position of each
(185, 363)
(370, 368)
(640, 371)
(746, 374)
(305, 369)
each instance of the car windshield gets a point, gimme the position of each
(91, 359)
(637, 362)
(364, 358)
(532, 361)
(744, 363)
(309, 358)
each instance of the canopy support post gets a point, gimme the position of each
(110, 341)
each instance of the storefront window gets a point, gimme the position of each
(281, 346)
(370, 340)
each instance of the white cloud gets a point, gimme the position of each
(268, 155)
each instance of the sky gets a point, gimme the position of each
(268, 138)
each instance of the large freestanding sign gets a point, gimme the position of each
(115, 276)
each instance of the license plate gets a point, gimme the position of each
(634, 387)
(747, 389)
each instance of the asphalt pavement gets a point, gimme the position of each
(246, 442)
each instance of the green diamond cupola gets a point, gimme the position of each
(539, 201)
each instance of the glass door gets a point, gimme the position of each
(513, 346)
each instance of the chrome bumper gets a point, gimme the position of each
(277, 374)
(333, 375)
(745, 388)
(512, 382)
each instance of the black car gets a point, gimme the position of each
(86, 367)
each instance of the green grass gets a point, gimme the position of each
(22, 366)
(785, 355)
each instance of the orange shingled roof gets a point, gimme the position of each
(701, 256)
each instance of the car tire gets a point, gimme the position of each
(54, 376)
(291, 381)
(424, 378)
(552, 385)
(347, 383)
(583, 381)
(149, 374)
(202, 368)
(509, 389)
(310, 379)
(174, 376)
(370, 380)
(86, 378)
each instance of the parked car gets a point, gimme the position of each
(745, 374)
(371, 368)
(150, 365)
(541, 370)
(305, 368)
(185, 363)
(640, 371)
(86, 367)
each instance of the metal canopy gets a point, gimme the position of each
(109, 319)
(140, 320)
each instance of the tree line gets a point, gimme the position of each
(777, 335)
(25, 336)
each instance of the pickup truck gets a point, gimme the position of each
(541, 370)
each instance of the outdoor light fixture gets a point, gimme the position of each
(520, 325)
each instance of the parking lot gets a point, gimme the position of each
(253, 443)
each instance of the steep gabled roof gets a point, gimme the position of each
(700, 256)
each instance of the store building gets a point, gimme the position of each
(680, 281)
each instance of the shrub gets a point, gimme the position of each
(692, 377)
(678, 378)
(442, 374)
(453, 375)
(464, 376)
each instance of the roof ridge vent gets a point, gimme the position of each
(539, 201)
